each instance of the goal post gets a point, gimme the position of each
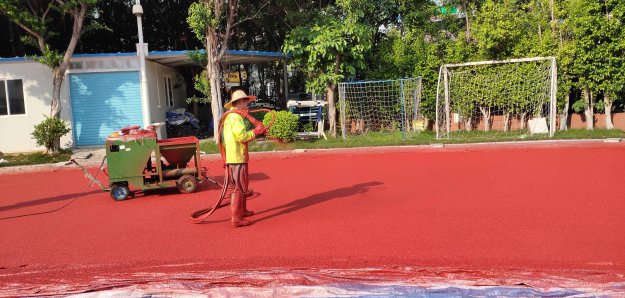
(487, 98)
(384, 106)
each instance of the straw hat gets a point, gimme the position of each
(238, 95)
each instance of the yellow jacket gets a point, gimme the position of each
(235, 137)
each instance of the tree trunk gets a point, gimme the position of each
(553, 21)
(216, 46)
(467, 19)
(608, 102)
(331, 109)
(468, 124)
(58, 73)
(506, 121)
(212, 71)
(486, 114)
(57, 82)
(589, 109)
(55, 104)
(564, 117)
(330, 97)
(523, 120)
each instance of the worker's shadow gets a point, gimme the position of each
(46, 200)
(317, 199)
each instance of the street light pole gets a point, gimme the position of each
(137, 10)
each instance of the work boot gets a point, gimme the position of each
(236, 206)
(246, 213)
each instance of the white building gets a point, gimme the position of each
(101, 93)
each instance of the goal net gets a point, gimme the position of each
(390, 106)
(492, 98)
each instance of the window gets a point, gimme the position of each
(11, 98)
(169, 92)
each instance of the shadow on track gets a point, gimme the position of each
(47, 200)
(317, 198)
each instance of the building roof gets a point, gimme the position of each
(231, 57)
(180, 58)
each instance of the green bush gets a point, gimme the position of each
(285, 126)
(308, 127)
(579, 106)
(600, 106)
(49, 131)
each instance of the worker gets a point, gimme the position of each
(235, 138)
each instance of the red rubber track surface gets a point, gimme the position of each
(540, 207)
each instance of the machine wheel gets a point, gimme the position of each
(120, 192)
(187, 184)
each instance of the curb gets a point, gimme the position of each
(437, 146)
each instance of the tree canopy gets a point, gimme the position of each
(339, 40)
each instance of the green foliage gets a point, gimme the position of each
(579, 106)
(37, 17)
(285, 126)
(202, 85)
(308, 127)
(498, 29)
(329, 49)
(597, 27)
(50, 131)
(36, 158)
(600, 106)
(408, 55)
(198, 56)
(423, 138)
(201, 16)
(51, 58)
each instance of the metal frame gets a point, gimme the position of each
(403, 112)
(444, 72)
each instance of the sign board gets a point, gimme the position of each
(234, 76)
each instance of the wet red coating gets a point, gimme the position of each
(539, 207)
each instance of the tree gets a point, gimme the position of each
(596, 28)
(212, 22)
(329, 49)
(34, 18)
(162, 27)
(466, 7)
(498, 29)
(610, 75)
(565, 55)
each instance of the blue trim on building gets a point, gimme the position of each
(15, 59)
(105, 55)
(232, 52)
(158, 53)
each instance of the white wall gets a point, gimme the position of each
(156, 87)
(15, 130)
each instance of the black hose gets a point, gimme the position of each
(62, 207)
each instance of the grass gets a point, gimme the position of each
(35, 158)
(424, 138)
(368, 140)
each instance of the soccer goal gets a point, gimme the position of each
(490, 98)
(390, 106)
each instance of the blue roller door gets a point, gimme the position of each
(103, 103)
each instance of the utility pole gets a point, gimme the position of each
(137, 10)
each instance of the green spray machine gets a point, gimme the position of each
(136, 158)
